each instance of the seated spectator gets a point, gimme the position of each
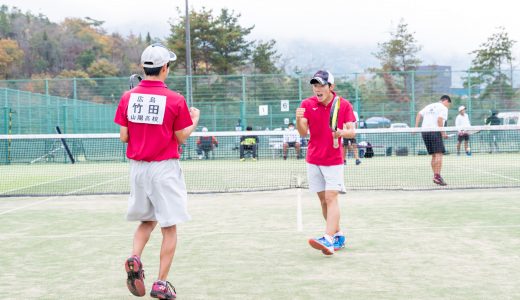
(248, 144)
(206, 144)
(291, 139)
(492, 135)
(351, 145)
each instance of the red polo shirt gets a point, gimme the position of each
(152, 114)
(320, 150)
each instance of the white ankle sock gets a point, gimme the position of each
(329, 238)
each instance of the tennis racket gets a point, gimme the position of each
(468, 132)
(134, 80)
(333, 122)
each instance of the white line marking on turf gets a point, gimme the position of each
(54, 197)
(46, 182)
(299, 216)
(30, 186)
(198, 234)
(494, 174)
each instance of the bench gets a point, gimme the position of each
(276, 146)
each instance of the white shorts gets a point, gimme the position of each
(157, 192)
(325, 178)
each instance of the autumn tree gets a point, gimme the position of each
(11, 56)
(102, 68)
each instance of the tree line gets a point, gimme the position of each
(32, 46)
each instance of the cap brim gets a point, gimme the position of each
(173, 57)
(318, 80)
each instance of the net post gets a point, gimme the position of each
(69, 154)
(243, 102)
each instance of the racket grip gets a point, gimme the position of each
(335, 142)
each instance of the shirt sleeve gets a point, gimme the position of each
(421, 112)
(121, 112)
(183, 119)
(349, 113)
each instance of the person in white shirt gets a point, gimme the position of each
(462, 120)
(435, 115)
(291, 138)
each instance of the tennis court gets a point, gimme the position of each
(442, 244)
(228, 175)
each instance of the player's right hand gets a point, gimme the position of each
(300, 112)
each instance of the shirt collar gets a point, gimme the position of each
(152, 83)
(331, 101)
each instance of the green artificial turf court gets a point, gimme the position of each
(441, 244)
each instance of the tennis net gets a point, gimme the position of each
(68, 164)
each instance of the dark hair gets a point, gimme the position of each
(154, 71)
(290, 124)
(446, 97)
(249, 128)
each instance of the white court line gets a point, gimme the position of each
(54, 197)
(299, 216)
(494, 174)
(46, 182)
(239, 233)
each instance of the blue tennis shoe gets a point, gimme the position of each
(322, 244)
(339, 241)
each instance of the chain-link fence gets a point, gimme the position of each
(80, 105)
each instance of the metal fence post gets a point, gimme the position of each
(18, 111)
(64, 106)
(75, 106)
(300, 92)
(6, 119)
(243, 103)
(8, 142)
(48, 102)
(356, 94)
(412, 102)
(470, 112)
(6, 109)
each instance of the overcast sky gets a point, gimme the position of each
(446, 29)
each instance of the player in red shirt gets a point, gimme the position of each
(324, 162)
(154, 122)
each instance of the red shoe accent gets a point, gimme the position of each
(316, 245)
(135, 279)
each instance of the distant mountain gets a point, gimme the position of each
(311, 56)
(341, 58)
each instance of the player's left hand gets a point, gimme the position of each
(194, 112)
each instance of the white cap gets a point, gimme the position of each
(204, 129)
(156, 55)
(461, 108)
